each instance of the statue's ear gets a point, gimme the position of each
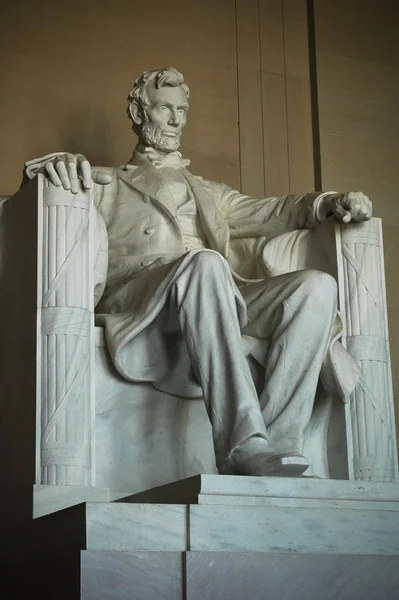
(136, 113)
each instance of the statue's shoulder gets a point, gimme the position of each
(113, 171)
(206, 182)
(105, 195)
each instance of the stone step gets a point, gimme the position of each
(228, 489)
(244, 514)
(48, 499)
(232, 538)
(109, 575)
(173, 527)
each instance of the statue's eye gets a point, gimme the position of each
(163, 108)
(181, 111)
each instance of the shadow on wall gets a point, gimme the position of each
(91, 137)
(89, 131)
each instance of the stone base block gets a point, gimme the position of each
(202, 575)
(48, 499)
(290, 576)
(245, 514)
(128, 575)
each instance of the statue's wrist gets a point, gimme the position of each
(324, 206)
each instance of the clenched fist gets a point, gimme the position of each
(347, 206)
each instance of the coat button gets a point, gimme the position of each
(149, 230)
(146, 262)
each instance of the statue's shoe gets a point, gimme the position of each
(255, 462)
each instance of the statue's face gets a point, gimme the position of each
(165, 118)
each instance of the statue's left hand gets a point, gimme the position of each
(350, 206)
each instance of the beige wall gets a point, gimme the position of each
(66, 69)
(276, 148)
(358, 91)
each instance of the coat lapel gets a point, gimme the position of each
(214, 225)
(149, 181)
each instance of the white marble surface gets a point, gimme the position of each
(139, 425)
(139, 527)
(295, 502)
(128, 575)
(299, 529)
(372, 448)
(237, 575)
(145, 437)
(65, 320)
(284, 525)
(220, 488)
(52, 498)
(290, 576)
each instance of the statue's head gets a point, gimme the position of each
(158, 105)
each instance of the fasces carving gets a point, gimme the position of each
(66, 340)
(370, 413)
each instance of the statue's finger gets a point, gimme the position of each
(341, 213)
(354, 208)
(101, 177)
(73, 175)
(63, 174)
(53, 175)
(85, 170)
(362, 215)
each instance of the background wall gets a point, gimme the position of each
(267, 115)
(66, 69)
(358, 101)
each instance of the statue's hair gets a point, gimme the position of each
(163, 77)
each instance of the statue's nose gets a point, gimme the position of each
(174, 118)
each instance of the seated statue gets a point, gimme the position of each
(178, 314)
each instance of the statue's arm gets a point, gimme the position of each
(249, 216)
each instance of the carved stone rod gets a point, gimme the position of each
(66, 337)
(370, 413)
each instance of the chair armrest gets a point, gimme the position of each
(353, 254)
(370, 417)
(66, 325)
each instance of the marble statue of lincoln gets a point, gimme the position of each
(175, 311)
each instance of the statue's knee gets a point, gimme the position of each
(209, 262)
(321, 286)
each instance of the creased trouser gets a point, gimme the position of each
(294, 312)
(204, 298)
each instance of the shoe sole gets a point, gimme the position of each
(278, 465)
(286, 466)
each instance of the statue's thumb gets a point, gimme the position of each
(341, 213)
(101, 177)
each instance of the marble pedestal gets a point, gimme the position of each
(225, 537)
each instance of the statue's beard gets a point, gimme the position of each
(156, 138)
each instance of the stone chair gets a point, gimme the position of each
(79, 431)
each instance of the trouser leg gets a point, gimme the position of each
(204, 297)
(294, 312)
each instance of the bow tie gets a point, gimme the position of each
(173, 160)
